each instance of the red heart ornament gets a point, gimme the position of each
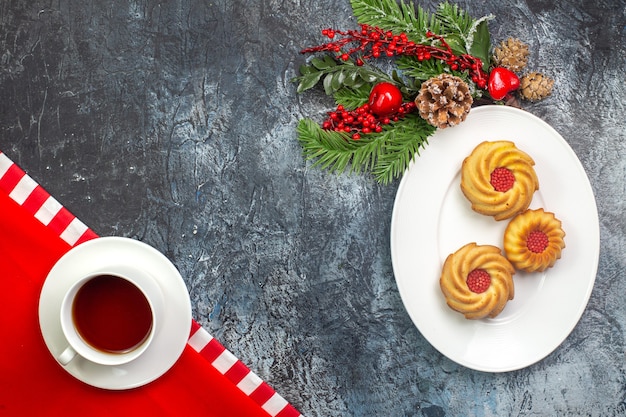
(501, 82)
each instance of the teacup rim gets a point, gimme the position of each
(91, 353)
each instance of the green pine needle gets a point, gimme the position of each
(334, 150)
(454, 19)
(351, 97)
(465, 34)
(396, 17)
(387, 154)
(401, 145)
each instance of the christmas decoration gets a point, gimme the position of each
(385, 99)
(374, 42)
(444, 100)
(511, 54)
(535, 86)
(444, 64)
(501, 82)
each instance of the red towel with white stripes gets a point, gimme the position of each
(35, 231)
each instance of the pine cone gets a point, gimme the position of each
(535, 86)
(444, 100)
(512, 54)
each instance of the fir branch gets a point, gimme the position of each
(401, 145)
(353, 97)
(334, 151)
(453, 19)
(421, 71)
(466, 34)
(424, 70)
(396, 17)
(386, 155)
(463, 33)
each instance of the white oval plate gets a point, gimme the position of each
(431, 219)
(171, 334)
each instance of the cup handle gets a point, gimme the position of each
(66, 357)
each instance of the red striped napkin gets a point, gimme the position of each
(35, 231)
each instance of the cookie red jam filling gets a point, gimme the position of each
(478, 281)
(537, 241)
(502, 179)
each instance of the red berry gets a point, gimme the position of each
(502, 179)
(385, 99)
(478, 281)
(537, 241)
(365, 119)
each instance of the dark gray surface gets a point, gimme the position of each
(174, 123)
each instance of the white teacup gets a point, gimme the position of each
(110, 317)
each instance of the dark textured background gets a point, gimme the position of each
(174, 122)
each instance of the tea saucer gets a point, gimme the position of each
(173, 324)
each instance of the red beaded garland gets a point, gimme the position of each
(374, 42)
(362, 120)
